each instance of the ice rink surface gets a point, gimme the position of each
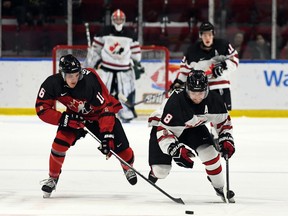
(91, 185)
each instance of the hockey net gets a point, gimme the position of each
(155, 60)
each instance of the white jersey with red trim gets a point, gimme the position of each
(200, 59)
(114, 49)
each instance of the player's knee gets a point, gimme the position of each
(161, 171)
(127, 155)
(206, 152)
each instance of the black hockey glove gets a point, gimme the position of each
(176, 85)
(107, 143)
(218, 69)
(71, 120)
(226, 145)
(181, 155)
(138, 69)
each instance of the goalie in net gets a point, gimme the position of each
(116, 54)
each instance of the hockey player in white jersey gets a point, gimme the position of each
(179, 127)
(117, 54)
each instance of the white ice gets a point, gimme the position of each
(91, 185)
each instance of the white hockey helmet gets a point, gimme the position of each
(118, 19)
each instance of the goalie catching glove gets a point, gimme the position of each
(107, 143)
(219, 68)
(71, 120)
(226, 145)
(181, 155)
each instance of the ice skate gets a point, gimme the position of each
(229, 196)
(48, 186)
(130, 176)
(152, 177)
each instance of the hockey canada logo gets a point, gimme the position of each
(116, 49)
(79, 106)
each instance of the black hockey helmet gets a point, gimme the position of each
(69, 64)
(197, 81)
(206, 26)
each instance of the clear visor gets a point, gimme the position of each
(72, 76)
(197, 97)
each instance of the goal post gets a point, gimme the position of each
(155, 60)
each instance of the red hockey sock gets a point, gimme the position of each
(128, 156)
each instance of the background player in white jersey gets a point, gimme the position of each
(116, 53)
(180, 127)
(216, 55)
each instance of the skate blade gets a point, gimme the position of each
(231, 200)
(228, 200)
(46, 195)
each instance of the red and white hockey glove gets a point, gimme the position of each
(107, 143)
(181, 155)
(226, 145)
(71, 120)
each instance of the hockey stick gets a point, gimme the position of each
(227, 175)
(177, 200)
(223, 58)
(88, 34)
(150, 97)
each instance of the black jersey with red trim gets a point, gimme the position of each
(200, 58)
(89, 98)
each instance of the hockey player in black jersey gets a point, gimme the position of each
(214, 55)
(179, 129)
(217, 57)
(88, 104)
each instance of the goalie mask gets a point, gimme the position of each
(118, 19)
(197, 86)
(68, 64)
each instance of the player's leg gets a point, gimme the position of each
(210, 157)
(159, 162)
(227, 98)
(121, 147)
(62, 142)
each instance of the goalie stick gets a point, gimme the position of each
(177, 200)
(88, 34)
(125, 100)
